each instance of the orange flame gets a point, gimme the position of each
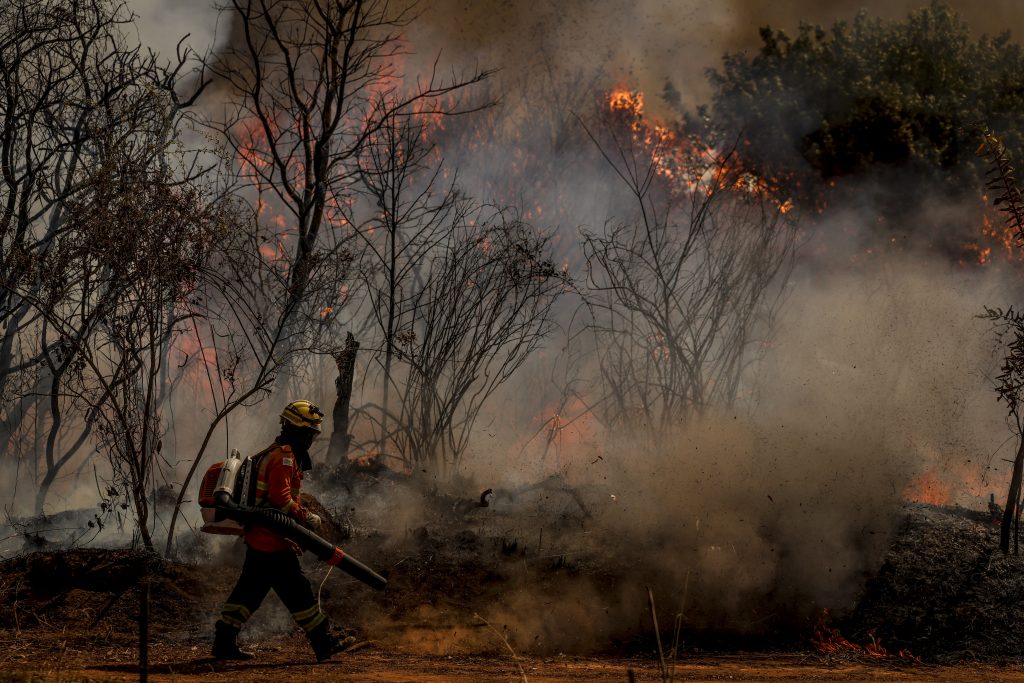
(828, 640)
(948, 481)
(928, 488)
(996, 239)
(688, 164)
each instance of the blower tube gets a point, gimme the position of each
(280, 523)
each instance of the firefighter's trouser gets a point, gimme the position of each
(280, 571)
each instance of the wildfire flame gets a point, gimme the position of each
(828, 640)
(948, 481)
(685, 162)
(1000, 236)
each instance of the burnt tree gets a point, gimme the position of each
(308, 83)
(337, 449)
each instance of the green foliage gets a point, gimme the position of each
(870, 95)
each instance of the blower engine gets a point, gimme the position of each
(228, 495)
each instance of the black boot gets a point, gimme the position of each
(225, 645)
(327, 644)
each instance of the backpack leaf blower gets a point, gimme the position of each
(227, 495)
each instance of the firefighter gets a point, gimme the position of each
(271, 561)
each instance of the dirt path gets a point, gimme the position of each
(289, 661)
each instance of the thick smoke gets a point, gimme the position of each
(162, 24)
(763, 515)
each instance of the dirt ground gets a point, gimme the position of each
(288, 658)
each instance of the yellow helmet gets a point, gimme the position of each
(303, 414)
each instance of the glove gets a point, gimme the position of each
(313, 521)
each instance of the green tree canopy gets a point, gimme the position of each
(871, 98)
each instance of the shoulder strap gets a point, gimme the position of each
(252, 474)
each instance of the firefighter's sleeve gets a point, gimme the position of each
(279, 488)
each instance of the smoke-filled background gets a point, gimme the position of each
(873, 388)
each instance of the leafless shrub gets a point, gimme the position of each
(410, 216)
(682, 297)
(136, 242)
(75, 87)
(458, 297)
(484, 308)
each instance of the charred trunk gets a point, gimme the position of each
(340, 438)
(1012, 499)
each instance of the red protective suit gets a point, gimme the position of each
(278, 481)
